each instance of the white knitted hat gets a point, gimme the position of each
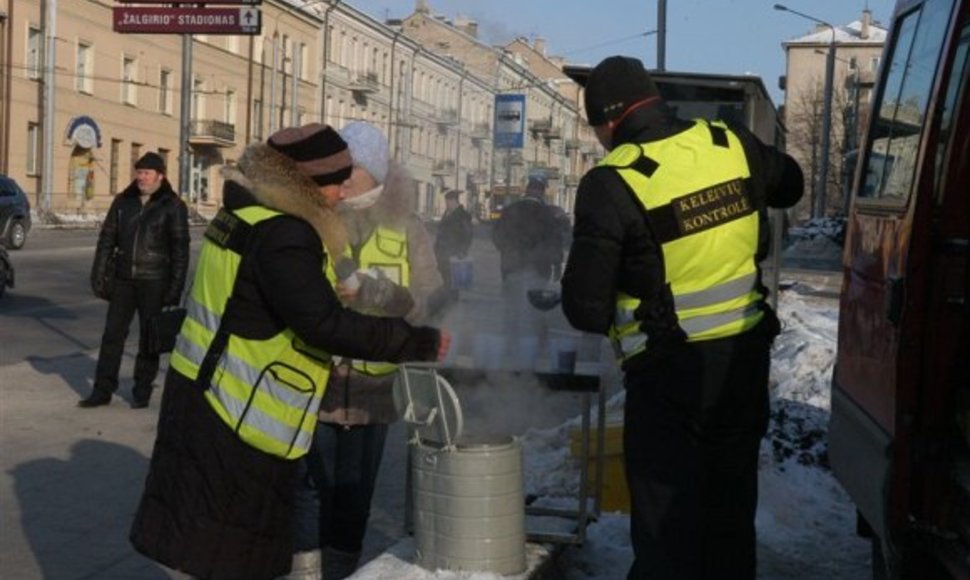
(368, 148)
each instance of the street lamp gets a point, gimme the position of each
(818, 209)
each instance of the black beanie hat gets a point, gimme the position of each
(615, 84)
(151, 161)
(318, 151)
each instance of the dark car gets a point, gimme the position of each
(14, 214)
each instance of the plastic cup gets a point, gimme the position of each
(564, 352)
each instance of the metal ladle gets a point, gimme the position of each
(544, 299)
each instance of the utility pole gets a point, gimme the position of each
(818, 205)
(661, 35)
(50, 60)
(185, 118)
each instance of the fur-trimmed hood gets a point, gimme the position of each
(276, 182)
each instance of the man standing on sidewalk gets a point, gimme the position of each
(139, 266)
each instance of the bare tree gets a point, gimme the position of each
(804, 123)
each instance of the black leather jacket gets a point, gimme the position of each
(152, 241)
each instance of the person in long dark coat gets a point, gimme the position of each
(213, 506)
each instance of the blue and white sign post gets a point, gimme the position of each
(509, 129)
(509, 121)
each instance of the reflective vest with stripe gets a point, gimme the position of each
(386, 250)
(694, 188)
(268, 391)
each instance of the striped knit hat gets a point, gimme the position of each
(318, 151)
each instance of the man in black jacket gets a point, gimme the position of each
(528, 236)
(453, 240)
(668, 234)
(139, 266)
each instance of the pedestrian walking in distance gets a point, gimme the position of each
(453, 240)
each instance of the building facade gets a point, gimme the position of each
(858, 50)
(116, 96)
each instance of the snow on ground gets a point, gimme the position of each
(806, 523)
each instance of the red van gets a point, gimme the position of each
(899, 438)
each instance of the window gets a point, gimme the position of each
(33, 148)
(84, 68)
(113, 174)
(853, 63)
(304, 62)
(874, 64)
(257, 120)
(901, 106)
(164, 88)
(198, 98)
(333, 46)
(135, 156)
(34, 40)
(229, 112)
(129, 93)
(164, 154)
(287, 62)
(959, 83)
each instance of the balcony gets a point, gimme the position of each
(573, 144)
(540, 125)
(443, 168)
(551, 173)
(572, 180)
(479, 176)
(446, 117)
(365, 83)
(209, 132)
(480, 132)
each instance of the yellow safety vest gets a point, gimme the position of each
(268, 391)
(694, 188)
(386, 250)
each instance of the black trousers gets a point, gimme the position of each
(694, 419)
(130, 296)
(343, 465)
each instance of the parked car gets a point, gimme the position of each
(14, 214)
(6, 271)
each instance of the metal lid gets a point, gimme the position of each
(428, 404)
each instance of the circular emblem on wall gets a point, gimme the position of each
(84, 132)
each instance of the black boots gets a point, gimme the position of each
(95, 399)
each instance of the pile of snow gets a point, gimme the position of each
(832, 228)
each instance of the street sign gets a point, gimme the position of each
(509, 121)
(224, 2)
(132, 20)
